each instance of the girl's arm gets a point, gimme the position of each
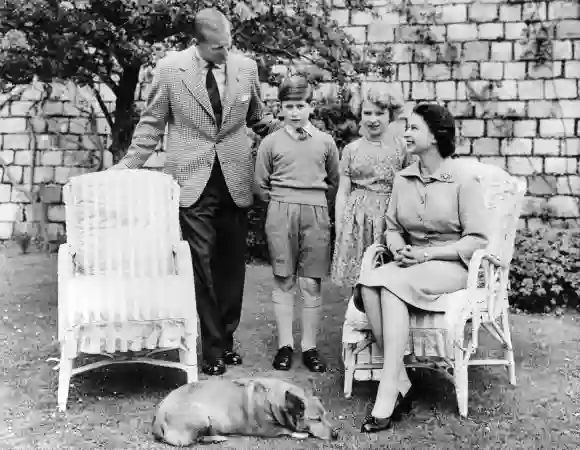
(344, 187)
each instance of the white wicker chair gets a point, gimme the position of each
(125, 277)
(439, 341)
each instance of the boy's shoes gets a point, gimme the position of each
(232, 358)
(215, 366)
(283, 358)
(312, 360)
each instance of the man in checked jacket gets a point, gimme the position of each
(206, 96)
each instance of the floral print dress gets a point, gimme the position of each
(371, 167)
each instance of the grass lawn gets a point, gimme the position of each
(113, 408)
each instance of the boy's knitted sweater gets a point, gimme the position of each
(297, 171)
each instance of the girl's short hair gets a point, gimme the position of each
(295, 88)
(384, 99)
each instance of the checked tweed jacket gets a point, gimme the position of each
(178, 97)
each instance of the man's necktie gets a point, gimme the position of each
(214, 94)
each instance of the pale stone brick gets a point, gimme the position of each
(453, 14)
(562, 49)
(461, 92)
(52, 158)
(486, 146)
(515, 31)
(476, 51)
(13, 125)
(359, 34)
(466, 71)
(521, 165)
(569, 108)
(463, 146)
(534, 10)
(518, 147)
(511, 108)
(560, 165)
(462, 32)
(568, 184)
(510, 13)
(532, 205)
(548, 70)
(472, 128)
(542, 184)
(491, 70)
(542, 108)
(407, 33)
(56, 213)
(525, 128)
(497, 161)
(557, 127)
(564, 206)
(491, 31)
(12, 174)
(416, 72)
(481, 12)
(437, 72)
(561, 88)
(445, 90)
(423, 90)
(6, 157)
(501, 51)
(564, 9)
(401, 53)
(460, 109)
(5, 192)
(530, 89)
(379, 31)
(51, 193)
(19, 196)
(567, 29)
(16, 142)
(572, 69)
(403, 72)
(23, 157)
(9, 212)
(571, 147)
(514, 70)
(360, 18)
(6, 230)
(21, 108)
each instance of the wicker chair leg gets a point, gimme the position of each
(189, 358)
(349, 362)
(508, 347)
(461, 387)
(64, 376)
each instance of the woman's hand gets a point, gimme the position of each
(409, 256)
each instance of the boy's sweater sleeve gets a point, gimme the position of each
(332, 171)
(263, 170)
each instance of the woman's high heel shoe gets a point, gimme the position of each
(372, 424)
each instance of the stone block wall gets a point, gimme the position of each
(509, 70)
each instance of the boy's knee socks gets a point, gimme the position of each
(311, 311)
(283, 303)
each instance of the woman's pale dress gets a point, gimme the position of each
(445, 209)
(371, 167)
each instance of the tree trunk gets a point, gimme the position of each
(126, 115)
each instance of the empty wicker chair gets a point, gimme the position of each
(125, 277)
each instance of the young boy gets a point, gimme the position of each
(297, 172)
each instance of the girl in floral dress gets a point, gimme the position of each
(368, 167)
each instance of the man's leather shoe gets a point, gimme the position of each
(283, 358)
(215, 366)
(312, 360)
(232, 358)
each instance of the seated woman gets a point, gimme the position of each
(435, 222)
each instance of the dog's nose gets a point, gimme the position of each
(334, 434)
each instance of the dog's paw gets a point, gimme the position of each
(214, 439)
(297, 435)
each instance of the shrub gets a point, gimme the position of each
(545, 270)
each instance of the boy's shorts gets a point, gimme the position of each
(298, 239)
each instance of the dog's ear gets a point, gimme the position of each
(294, 406)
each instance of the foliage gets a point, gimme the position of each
(545, 271)
(111, 40)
